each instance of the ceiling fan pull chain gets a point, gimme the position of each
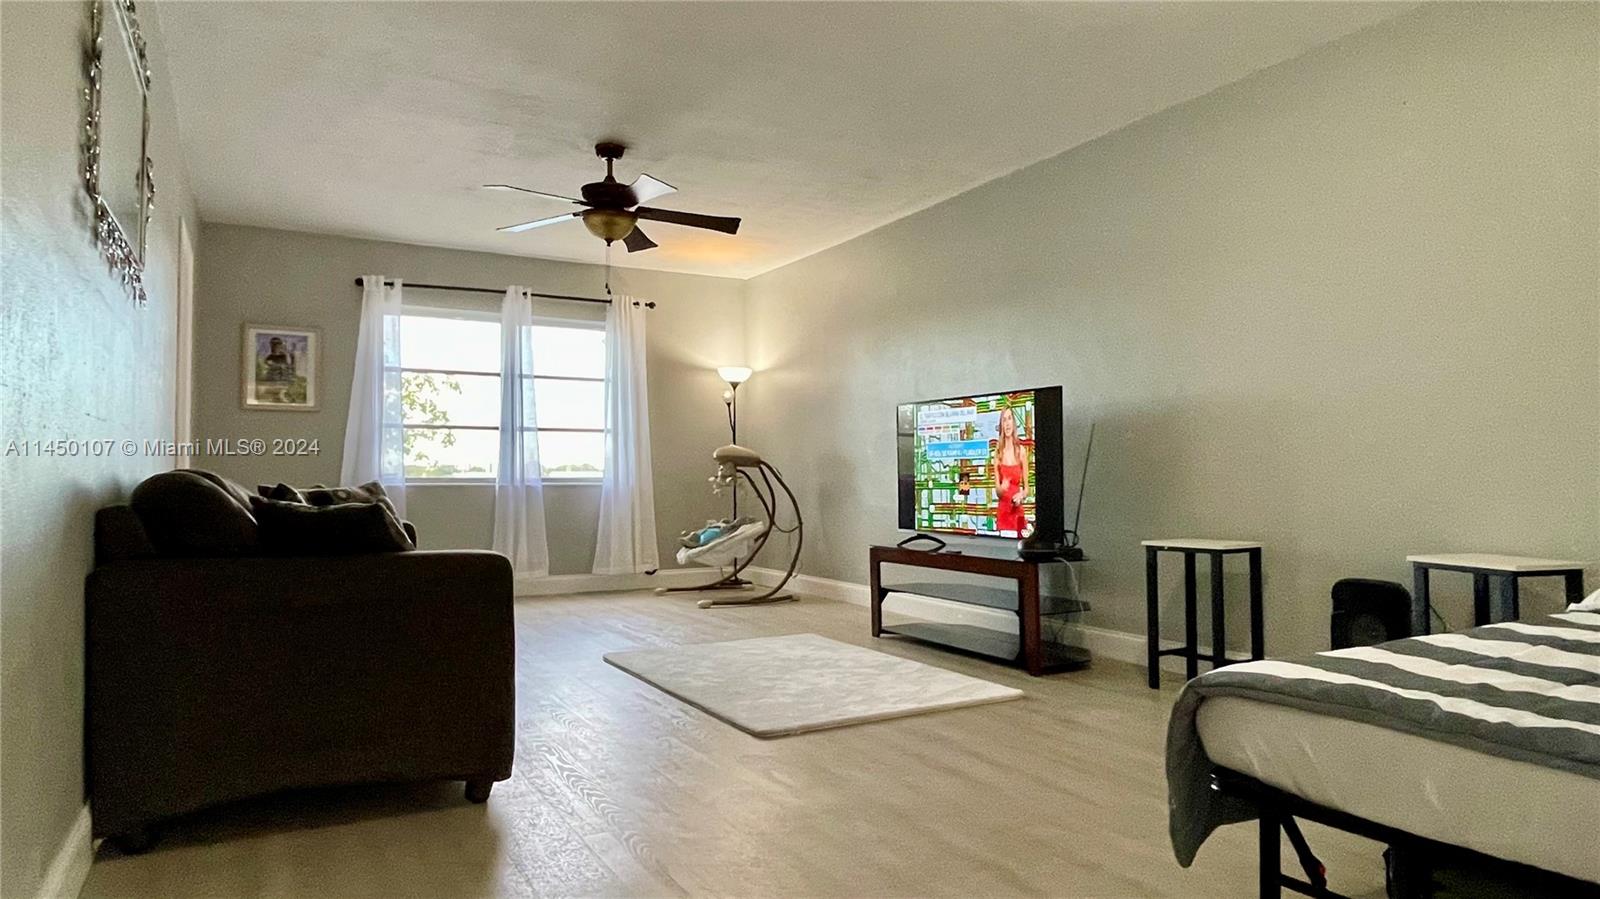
(608, 268)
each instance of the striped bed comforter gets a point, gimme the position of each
(1522, 690)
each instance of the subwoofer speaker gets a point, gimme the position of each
(1367, 612)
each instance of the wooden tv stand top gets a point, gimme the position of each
(956, 560)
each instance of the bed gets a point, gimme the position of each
(1485, 742)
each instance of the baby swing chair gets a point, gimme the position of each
(735, 540)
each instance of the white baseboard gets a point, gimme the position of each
(1119, 645)
(70, 868)
(565, 584)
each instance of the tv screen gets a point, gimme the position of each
(985, 465)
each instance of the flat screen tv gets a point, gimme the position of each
(987, 465)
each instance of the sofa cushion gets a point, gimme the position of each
(301, 529)
(235, 490)
(195, 513)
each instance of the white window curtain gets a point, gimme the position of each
(519, 529)
(374, 434)
(627, 539)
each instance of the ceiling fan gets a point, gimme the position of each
(614, 212)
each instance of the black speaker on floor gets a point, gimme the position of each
(1366, 612)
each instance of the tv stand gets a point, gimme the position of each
(919, 536)
(1027, 647)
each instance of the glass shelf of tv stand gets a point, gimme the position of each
(987, 642)
(1004, 598)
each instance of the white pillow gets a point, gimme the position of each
(1591, 603)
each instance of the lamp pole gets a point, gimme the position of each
(733, 375)
(730, 399)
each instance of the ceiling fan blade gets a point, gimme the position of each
(637, 240)
(725, 224)
(647, 187)
(539, 223)
(537, 193)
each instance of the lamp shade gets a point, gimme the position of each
(734, 374)
(609, 224)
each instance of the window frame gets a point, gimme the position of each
(481, 315)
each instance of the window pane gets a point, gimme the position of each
(453, 344)
(430, 399)
(568, 352)
(565, 454)
(570, 404)
(451, 453)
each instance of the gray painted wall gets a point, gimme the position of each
(81, 362)
(288, 278)
(1347, 306)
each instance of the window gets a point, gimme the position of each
(451, 396)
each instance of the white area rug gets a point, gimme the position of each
(776, 686)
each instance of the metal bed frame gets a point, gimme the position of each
(1410, 859)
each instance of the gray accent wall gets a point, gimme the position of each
(1347, 306)
(265, 276)
(81, 362)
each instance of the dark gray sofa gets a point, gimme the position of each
(216, 678)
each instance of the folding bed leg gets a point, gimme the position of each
(1408, 873)
(1316, 871)
(1271, 873)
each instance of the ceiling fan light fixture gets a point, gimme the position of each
(609, 224)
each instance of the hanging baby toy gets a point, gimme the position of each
(737, 541)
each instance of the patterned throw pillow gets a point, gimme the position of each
(322, 495)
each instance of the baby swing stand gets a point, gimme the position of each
(734, 462)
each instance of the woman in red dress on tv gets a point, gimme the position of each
(1011, 478)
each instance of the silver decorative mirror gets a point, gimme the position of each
(116, 165)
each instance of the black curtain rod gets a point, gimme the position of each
(360, 282)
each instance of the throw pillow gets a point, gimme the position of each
(189, 513)
(300, 529)
(323, 495)
(281, 492)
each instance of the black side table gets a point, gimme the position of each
(1507, 570)
(1216, 549)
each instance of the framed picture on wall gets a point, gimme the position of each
(280, 367)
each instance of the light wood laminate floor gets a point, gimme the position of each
(621, 790)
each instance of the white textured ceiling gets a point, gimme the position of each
(814, 122)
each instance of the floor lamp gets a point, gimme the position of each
(734, 375)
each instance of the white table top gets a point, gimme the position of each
(1202, 543)
(1494, 562)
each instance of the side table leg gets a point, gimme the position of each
(1191, 624)
(1510, 601)
(1258, 612)
(1481, 613)
(1419, 601)
(1152, 626)
(1219, 623)
(1574, 581)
